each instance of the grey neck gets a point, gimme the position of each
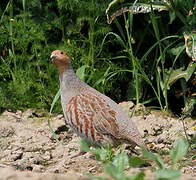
(70, 82)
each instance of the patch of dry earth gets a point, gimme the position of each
(27, 145)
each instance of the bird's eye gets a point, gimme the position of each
(61, 52)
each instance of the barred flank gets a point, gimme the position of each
(86, 111)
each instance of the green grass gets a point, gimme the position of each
(146, 57)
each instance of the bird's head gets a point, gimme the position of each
(61, 60)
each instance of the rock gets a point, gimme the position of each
(38, 168)
(6, 131)
(28, 113)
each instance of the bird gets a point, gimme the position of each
(90, 114)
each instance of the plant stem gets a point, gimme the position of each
(128, 28)
(11, 27)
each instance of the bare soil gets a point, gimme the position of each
(28, 149)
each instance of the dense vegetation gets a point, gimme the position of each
(144, 56)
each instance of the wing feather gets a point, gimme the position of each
(88, 111)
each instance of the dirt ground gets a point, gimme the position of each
(29, 151)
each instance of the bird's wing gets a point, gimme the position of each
(88, 110)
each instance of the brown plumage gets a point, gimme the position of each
(90, 114)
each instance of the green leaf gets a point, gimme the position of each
(114, 172)
(55, 100)
(84, 146)
(135, 161)
(134, 8)
(189, 106)
(154, 157)
(103, 78)
(172, 17)
(103, 154)
(120, 161)
(138, 176)
(179, 150)
(190, 43)
(167, 174)
(81, 72)
(190, 70)
(99, 178)
(51, 108)
(179, 73)
(176, 50)
(100, 155)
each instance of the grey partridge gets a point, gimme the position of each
(90, 114)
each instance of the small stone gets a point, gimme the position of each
(160, 140)
(151, 139)
(38, 168)
(28, 113)
(160, 146)
(46, 156)
(16, 155)
(7, 131)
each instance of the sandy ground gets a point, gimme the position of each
(28, 149)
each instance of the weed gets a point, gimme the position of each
(116, 164)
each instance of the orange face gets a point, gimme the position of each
(59, 58)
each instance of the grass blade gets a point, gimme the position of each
(154, 157)
(179, 150)
(167, 174)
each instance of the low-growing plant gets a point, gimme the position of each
(116, 164)
(179, 150)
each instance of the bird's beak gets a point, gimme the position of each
(52, 57)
